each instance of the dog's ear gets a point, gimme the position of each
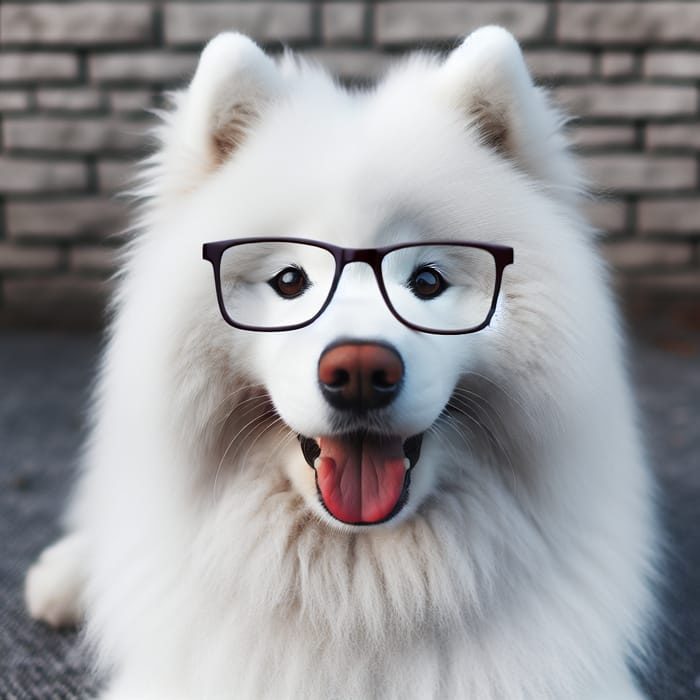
(234, 82)
(487, 80)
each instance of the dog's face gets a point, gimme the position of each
(361, 392)
(426, 158)
(360, 389)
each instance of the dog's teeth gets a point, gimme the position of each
(406, 463)
(317, 463)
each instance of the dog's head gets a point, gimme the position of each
(373, 394)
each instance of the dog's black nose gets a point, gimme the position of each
(360, 376)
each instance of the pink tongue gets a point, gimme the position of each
(360, 478)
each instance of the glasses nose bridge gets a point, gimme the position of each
(365, 255)
(370, 256)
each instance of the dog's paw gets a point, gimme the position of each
(54, 584)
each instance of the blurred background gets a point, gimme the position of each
(76, 79)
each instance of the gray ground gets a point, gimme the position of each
(44, 380)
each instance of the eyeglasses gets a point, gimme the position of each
(281, 284)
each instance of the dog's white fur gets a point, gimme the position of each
(520, 567)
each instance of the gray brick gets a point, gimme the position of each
(614, 64)
(114, 175)
(669, 216)
(674, 283)
(83, 135)
(607, 214)
(65, 218)
(68, 99)
(13, 100)
(631, 172)
(58, 300)
(676, 136)
(411, 22)
(93, 259)
(628, 22)
(75, 23)
(551, 63)
(673, 64)
(130, 100)
(351, 63)
(22, 67)
(142, 66)
(636, 254)
(602, 136)
(21, 175)
(343, 22)
(634, 101)
(15, 258)
(193, 23)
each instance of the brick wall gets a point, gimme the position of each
(75, 78)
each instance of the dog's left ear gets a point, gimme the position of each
(486, 79)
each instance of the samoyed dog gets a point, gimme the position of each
(362, 428)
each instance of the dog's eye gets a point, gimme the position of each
(427, 283)
(290, 282)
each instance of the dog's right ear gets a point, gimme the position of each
(233, 83)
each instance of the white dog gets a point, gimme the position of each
(368, 469)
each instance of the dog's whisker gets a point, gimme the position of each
(266, 429)
(500, 448)
(482, 416)
(253, 402)
(446, 422)
(480, 413)
(246, 431)
(442, 428)
(242, 433)
(491, 410)
(497, 421)
(284, 440)
(230, 397)
(282, 443)
(468, 399)
(496, 385)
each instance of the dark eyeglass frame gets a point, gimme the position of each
(213, 252)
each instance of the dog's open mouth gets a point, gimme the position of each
(362, 478)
